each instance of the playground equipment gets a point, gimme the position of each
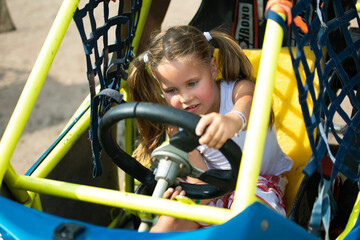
(325, 70)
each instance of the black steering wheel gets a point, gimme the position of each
(218, 182)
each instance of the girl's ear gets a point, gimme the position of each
(213, 66)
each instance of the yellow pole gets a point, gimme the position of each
(143, 15)
(352, 219)
(259, 119)
(20, 195)
(129, 124)
(129, 141)
(33, 85)
(142, 203)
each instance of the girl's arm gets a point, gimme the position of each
(220, 128)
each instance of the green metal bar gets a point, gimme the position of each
(33, 85)
(36, 203)
(143, 15)
(212, 215)
(352, 219)
(129, 140)
(129, 134)
(259, 119)
(129, 147)
(20, 195)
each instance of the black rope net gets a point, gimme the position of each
(335, 44)
(332, 89)
(107, 37)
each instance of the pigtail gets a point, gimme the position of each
(144, 88)
(232, 60)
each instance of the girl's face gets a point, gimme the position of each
(189, 86)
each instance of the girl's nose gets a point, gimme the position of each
(185, 97)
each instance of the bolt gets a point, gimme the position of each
(264, 225)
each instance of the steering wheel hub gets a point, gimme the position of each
(166, 156)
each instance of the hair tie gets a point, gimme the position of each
(146, 58)
(207, 36)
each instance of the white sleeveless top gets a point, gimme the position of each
(274, 160)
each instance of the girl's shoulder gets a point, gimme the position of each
(227, 87)
(226, 96)
(228, 84)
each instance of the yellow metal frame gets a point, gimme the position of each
(25, 188)
(259, 118)
(352, 219)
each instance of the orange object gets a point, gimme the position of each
(284, 7)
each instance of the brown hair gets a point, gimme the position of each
(178, 43)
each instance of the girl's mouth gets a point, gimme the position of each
(192, 108)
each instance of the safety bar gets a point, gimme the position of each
(126, 200)
(259, 118)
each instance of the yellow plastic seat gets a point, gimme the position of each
(289, 123)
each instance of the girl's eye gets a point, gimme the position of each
(170, 91)
(191, 84)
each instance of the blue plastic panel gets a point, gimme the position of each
(256, 222)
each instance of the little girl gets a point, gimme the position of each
(179, 69)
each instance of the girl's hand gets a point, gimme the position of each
(172, 130)
(171, 224)
(172, 193)
(219, 128)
